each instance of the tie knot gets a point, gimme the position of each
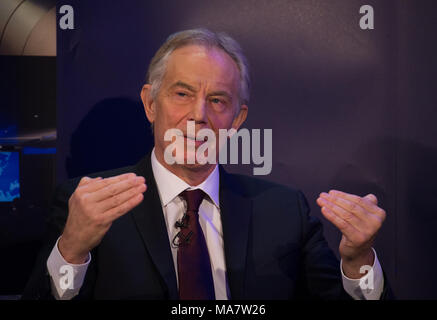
(193, 198)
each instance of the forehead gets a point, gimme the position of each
(200, 65)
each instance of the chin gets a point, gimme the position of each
(196, 167)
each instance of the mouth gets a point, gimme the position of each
(195, 138)
(197, 141)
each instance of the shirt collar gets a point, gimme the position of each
(170, 185)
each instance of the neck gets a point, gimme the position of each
(191, 174)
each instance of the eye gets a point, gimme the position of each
(216, 100)
(181, 94)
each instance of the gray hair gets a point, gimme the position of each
(203, 37)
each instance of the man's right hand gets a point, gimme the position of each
(92, 208)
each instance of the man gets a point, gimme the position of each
(192, 231)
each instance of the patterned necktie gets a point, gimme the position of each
(194, 267)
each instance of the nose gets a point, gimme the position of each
(198, 113)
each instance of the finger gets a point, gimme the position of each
(364, 203)
(372, 198)
(125, 207)
(116, 188)
(120, 198)
(342, 213)
(108, 181)
(345, 228)
(87, 180)
(349, 206)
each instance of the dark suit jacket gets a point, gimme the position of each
(273, 248)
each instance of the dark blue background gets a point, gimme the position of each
(350, 109)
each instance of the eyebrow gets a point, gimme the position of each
(183, 85)
(191, 88)
(221, 93)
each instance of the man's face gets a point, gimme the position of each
(201, 85)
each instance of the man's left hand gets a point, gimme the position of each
(358, 219)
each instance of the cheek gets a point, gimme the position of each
(168, 117)
(221, 120)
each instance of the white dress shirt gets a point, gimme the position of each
(169, 188)
(173, 206)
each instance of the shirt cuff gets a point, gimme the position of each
(66, 278)
(368, 287)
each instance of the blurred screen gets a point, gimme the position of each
(9, 176)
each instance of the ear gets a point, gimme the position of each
(148, 102)
(241, 117)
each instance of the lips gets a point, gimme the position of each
(197, 141)
(196, 138)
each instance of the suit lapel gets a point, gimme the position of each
(236, 212)
(150, 222)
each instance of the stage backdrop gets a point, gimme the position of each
(350, 109)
